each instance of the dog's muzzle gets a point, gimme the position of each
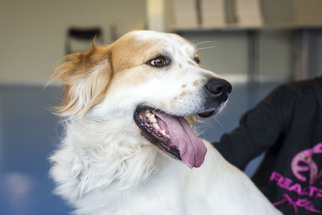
(172, 134)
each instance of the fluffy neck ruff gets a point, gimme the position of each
(106, 155)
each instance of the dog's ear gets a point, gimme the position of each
(86, 77)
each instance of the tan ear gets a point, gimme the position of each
(86, 77)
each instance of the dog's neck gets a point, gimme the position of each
(109, 156)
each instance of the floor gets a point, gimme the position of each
(29, 132)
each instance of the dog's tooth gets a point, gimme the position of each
(152, 118)
(164, 133)
(155, 125)
(159, 132)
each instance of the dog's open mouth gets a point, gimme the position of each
(172, 134)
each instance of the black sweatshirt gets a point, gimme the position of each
(287, 125)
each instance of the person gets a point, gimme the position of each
(287, 125)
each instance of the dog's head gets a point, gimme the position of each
(152, 81)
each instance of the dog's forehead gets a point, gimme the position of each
(163, 40)
(137, 47)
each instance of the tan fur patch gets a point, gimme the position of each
(191, 63)
(128, 52)
(162, 104)
(183, 93)
(195, 83)
(86, 77)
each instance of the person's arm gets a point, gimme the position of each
(258, 130)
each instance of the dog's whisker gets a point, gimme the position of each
(208, 47)
(203, 42)
(218, 122)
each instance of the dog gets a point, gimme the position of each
(129, 146)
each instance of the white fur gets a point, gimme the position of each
(104, 166)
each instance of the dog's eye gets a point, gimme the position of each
(159, 61)
(197, 59)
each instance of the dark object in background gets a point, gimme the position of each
(83, 35)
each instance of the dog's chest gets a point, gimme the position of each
(163, 194)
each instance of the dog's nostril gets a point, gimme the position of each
(218, 87)
(217, 90)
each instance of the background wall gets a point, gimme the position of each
(227, 53)
(32, 34)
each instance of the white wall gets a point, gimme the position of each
(222, 52)
(32, 32)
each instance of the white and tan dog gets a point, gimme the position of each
(128, 147)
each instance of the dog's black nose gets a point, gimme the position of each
(219, 88)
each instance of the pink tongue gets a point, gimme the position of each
(192, 149)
